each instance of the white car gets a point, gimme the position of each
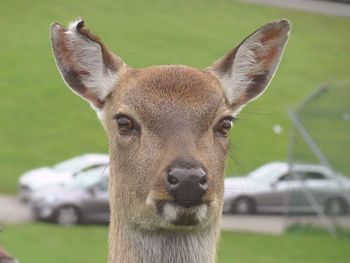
(276, 187)
(83, 199)
(59, 174)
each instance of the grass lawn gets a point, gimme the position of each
(49, 243)
(42, 122)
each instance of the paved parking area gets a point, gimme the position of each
(13, 211)
(275, 224)
(254, 224)
(315, 6)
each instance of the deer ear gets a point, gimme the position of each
(86, 65)
(246, 71)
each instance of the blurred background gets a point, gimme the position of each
(298, 131)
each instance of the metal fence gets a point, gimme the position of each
(321, 135)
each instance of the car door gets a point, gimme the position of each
(283, 194)
(295, 191)
(272, 196)
(309, 190)
(320, 186)
(97, 206)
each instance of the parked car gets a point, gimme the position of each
(59, 174)
(275, 187)
(84, 199)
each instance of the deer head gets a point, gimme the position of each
(167, 126)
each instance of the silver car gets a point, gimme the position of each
(276, 187)
(59, 174)
(84, 199)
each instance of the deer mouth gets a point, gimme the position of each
(188, 213)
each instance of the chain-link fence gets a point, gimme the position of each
(321, 139)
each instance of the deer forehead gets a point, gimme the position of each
(169, 93)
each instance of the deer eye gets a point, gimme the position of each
(126, 125)
(224, 126)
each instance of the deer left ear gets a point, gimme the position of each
(246, 71)
(86, 65)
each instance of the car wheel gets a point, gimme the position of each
(336, 206)
(67, 216)
(243, 205)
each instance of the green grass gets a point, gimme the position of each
(49, 243)
(42, 122)
(288, 248)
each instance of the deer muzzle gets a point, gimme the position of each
(187, 186)
(185, 182)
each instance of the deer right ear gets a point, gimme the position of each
(246, 71)
(86, 65)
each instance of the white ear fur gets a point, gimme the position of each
(246, 71)
(86, 65)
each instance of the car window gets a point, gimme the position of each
(89, 178)
(313, 176)
(79, 164)
(69, 165)
(268, 173)
(93, 167)
(286, 177)
(103, 185)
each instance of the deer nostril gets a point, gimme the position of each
(172, 179)
(203, 181)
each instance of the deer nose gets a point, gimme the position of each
(187, 186)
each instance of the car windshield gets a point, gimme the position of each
(86, 179)
(268, 173)
(73, 165)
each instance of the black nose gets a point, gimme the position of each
(187, 186)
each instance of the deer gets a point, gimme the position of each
(168, 133)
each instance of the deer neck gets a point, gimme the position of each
(130, 245)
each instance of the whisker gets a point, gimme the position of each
(104, 170)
